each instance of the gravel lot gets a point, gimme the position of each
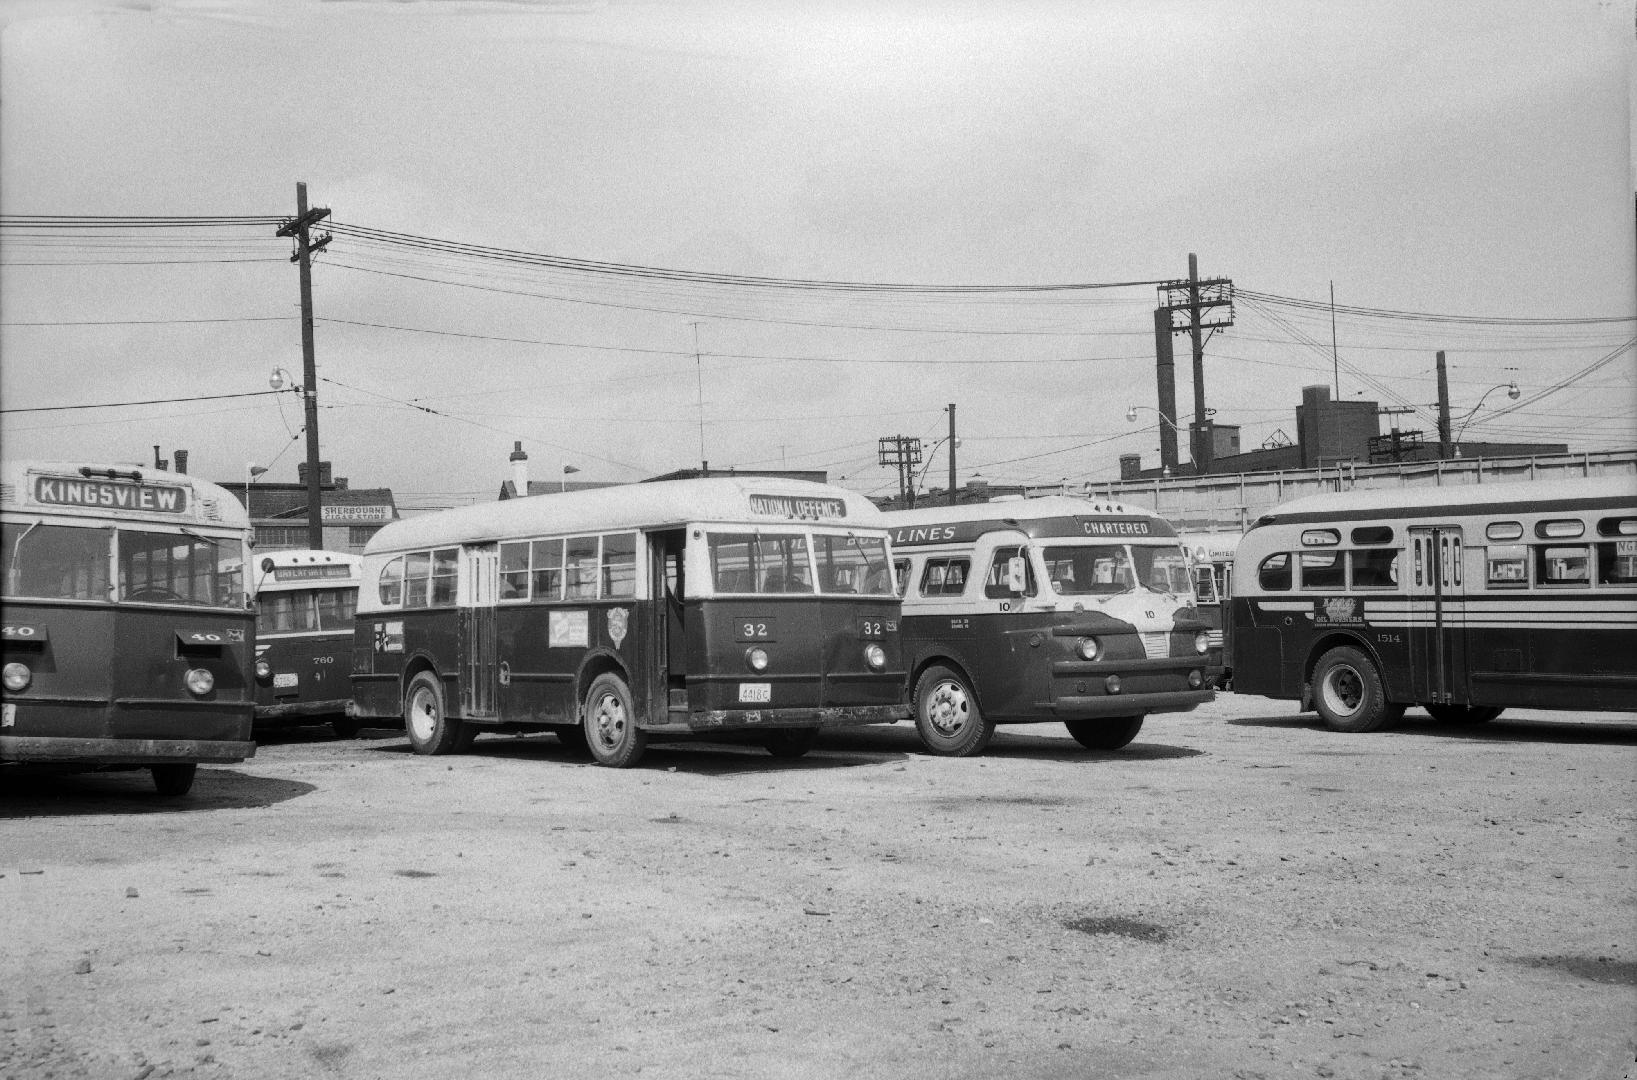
(1238, 894)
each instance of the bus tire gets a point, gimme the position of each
(1106, 732)
(790, 742)
(1348, 693)
(173, 780)
(1463, 714)
(611, 730)
(947, 716)
(430, 728)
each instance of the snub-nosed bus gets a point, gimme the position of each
(304, 611)
(1465, 601)
(613, 615)
(1210, 558)
(1035, 610)
(127, 640)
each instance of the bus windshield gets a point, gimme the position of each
(763, 562)
(1109, 569)
(55, 562)
(177, 568)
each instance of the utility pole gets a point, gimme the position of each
(1192, 299)
(1443, 409)
(904, 453)
(299, 227)
(952, 444)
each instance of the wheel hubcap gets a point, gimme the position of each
(1343, 691)
(423, 716)
(609, 720)
(948, 709)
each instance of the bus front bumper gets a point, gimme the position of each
(743, 719)
(47, 749)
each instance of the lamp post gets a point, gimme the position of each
(251, 471)
(926, 465)
(1131, 417)
(279, 380)
(562, 484)
(1512, 392)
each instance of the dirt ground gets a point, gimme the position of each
(1238, 894)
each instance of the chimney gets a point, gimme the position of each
(181, 461)
(1130, 466)
(323, 473)
(520, 470)
(159, 462)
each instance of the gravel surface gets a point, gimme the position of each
(1239, 894)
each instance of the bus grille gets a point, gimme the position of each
(1156, 645)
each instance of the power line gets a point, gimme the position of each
(129, 404)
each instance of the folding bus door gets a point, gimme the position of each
(1437, 629)
(479, 648)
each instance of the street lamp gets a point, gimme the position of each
(562, 484)
(926, 464)
(1512, 392)
(280, 379)
(251, 471)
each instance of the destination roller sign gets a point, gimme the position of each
(954, 532)
(110, 494)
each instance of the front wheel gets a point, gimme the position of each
(1105, 733)
(1463, 714)
(173, 779)
(611, 729)
(947, 715)
(1348, 693)
(431, 730)
(790, 742)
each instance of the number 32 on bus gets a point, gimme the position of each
(616, 614)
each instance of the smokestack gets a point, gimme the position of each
(181, 461)
(159, 462)
(520, 470)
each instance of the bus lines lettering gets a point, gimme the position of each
(792, 506)
(161, 498)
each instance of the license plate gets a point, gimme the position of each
(284, 680)
(756, 692)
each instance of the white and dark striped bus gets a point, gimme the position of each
(1465, 601)
(1048, 609)
(128, 631)
(304, 612)
(759, 607)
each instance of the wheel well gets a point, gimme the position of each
(596, 664)
(415, 666)
(941, 661)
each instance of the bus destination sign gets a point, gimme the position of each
(796, 506)
(111, 494)
(311, 573)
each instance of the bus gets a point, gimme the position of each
(304, 610)
(1210, 557)
(1046, 609)
(761, 607)
(1464, 601)
(128, 632)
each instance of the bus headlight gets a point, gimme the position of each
(756, 657)
(264, 670)
(18, 676)
(875, 656)
(1089, 648)
(199, 681)
(1202, 642)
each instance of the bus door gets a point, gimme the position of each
(668, 644)
(1437, 615)
(479, 648)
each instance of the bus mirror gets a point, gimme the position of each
(1017, 575)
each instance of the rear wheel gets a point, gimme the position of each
(790, 742)
(1348, 693)
(947, 715)
(611, 729)
(1463, 714)
(431, 730)
(1105, 733)
(173, 779)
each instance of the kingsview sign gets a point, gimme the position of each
(111, 494)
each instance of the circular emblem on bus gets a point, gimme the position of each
(618, 620)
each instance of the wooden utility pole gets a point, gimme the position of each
(952, 445)
(298, 227)
(1207, 304)
(1443, 408)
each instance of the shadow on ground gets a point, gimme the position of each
(49, 794)
(1417, 724)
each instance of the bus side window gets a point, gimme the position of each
(1506, 566)
(580, 569)
(900, 575)
(945, 577)
(1274, 573)
(546, 569)
(1562, 565)
(619, 565)
(390, 587)
(995, 587)
(514, 571)
(1374, 568)
(1617, 562)
(1323, 570)
(445, 571)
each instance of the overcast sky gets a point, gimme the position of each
(1455, 159)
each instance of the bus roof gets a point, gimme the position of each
(104, 489)
(1426, 502)
(1049, 515)
(663, 504)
